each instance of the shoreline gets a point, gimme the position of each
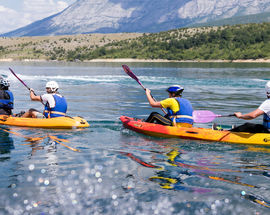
(131, 60)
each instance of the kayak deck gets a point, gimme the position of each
(57, 122)
(195, 133)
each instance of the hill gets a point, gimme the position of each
(55, 47)
(247, 41)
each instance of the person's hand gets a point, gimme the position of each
(238, 114)
(147, 91)
(32, 91)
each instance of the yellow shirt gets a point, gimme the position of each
(170, 103)
(174, 106)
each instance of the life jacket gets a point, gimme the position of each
(184, 115)
(6, 103)
(58, 110)
(266, 121)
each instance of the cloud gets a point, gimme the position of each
(32, 10)
(9, 19)
(39, 9)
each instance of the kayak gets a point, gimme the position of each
(57, 122)
(194, 133)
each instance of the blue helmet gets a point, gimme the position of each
(177, 89)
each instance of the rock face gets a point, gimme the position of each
(114, 16)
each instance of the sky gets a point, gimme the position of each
(19, 13)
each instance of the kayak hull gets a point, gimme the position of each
(195, 133)
(57, 122)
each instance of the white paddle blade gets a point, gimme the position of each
(203, 116)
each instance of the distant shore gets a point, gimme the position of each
(131, 60)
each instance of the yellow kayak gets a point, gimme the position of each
(57, 122)
(157, 130)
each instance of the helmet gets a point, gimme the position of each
(4, 83)
(267, 88)
(177, 89)
(52, 85)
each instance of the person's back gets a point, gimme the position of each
(6, 98)
(55, 105)
(181, 114)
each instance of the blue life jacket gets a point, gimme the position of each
(58, 110)
(184, 115)
(266, 121)
(7, 103)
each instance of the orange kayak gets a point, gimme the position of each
(195, 133)
(57, 122)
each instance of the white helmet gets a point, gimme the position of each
(267, 88)
(52, 85)
(4, 82)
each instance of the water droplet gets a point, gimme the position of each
(31, 167)
(46, 182)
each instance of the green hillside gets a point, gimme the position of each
(247, 41)
(250, 41)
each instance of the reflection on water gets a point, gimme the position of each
(175, 171)
(6, 144)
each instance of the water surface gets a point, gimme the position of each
(118, 171)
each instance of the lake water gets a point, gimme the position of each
(118, 171)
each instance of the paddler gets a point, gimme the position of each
(263, 109)
(55, 104)
(6, 97)
(179, 109)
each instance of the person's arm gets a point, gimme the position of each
(252, 115)
(33, 96)
(151, 101)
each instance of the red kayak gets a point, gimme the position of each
(195, 133)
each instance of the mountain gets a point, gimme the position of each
(114, 16)
(254, 18)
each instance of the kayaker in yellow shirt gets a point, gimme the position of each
(179, 109)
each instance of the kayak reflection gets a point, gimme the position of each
(6, 143)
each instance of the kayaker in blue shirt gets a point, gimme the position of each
(6, 97)
(179, 109)
(55, 104)
(263, 109)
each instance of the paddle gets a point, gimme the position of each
(20, 80)
(131, 74)
(205, 116)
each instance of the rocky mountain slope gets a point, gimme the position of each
(114, 16)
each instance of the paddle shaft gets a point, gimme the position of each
(20, 80)
(226, 115)
(132, 75)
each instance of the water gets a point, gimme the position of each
(118, 171)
